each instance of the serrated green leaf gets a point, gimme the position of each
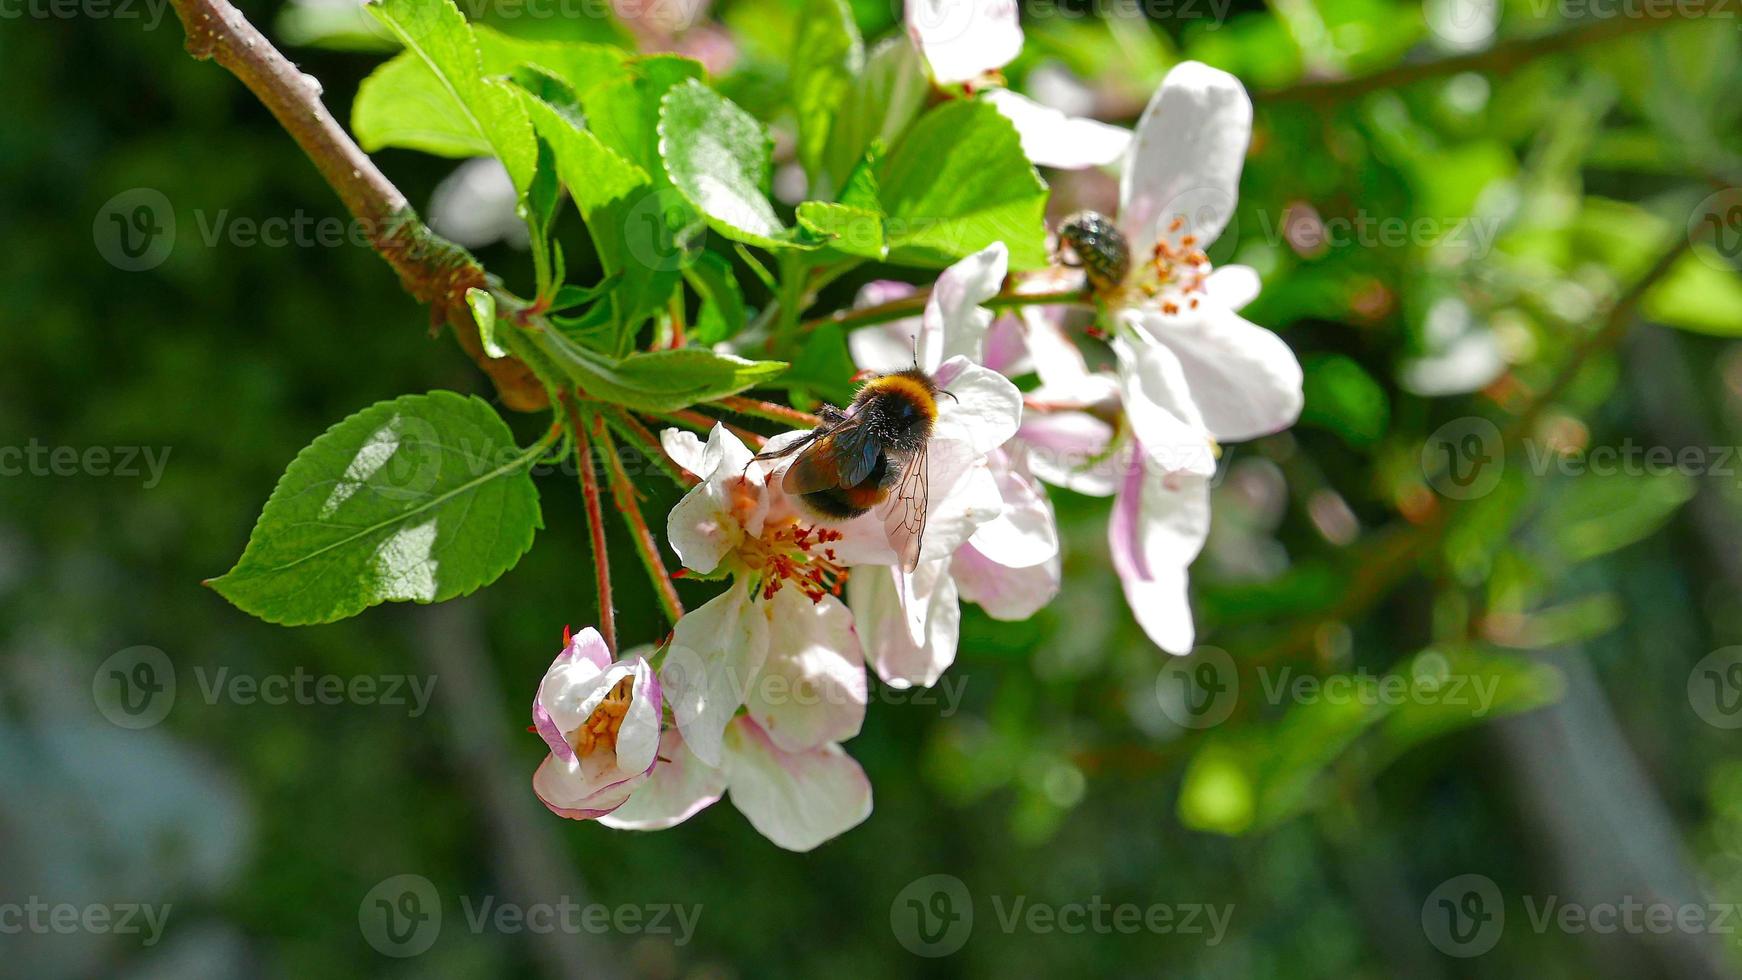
(717, 156)
(958, 182)
(878, 107)
(422, 498)
(827, 57)
(824, 367)
(435, 97)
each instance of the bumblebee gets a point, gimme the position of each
(871, 455)
(1096, 245)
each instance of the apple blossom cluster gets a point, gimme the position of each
(757, 690)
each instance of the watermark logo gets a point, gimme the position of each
(135, 687)
(1199, 691)
(135, 230)
(1464, 459)
(1464, 916)
(663, 230)
(933, 916)
(401, 916)
(1718, 221)
(1715, 688)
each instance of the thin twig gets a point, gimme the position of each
(623, 493)
(914, 305)
(768, 410)
(595, 521)
(691, 419)
(432, 269)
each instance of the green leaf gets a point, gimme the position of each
(959, 182)
(879, 106)
(435, 96)
(422, 498)
(827, 57)
(1343, 397)
(717, 156)
(664, 380)
(1699, 295)
(483, 307)
(848, 230)
(824, 367)
(1605, 505)
(723, 313)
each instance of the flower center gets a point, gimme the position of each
(1173, 275)
(790, 552)
(601, 726)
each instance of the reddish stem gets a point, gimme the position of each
(624, 494)
(650, 444)
(769, 410)
(595, 521)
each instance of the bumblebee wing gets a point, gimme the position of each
(905, 512)
(843, 457)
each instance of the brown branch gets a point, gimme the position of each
(623, 493)
(595, 522)
(432, 269)
(914, 305)
(1503, 57)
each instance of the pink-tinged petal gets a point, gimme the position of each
(1057, 361)
(985, 410)
(1158, 526)
(1007, 347)
(1159, 406)
(812, 688)
(1007, 594)
(1071, 450)
(795, 799)
(964, 39)
(1186, 160)
(1052, 139)
(909, 623)
(572, 793)
(1244, 380)
(716, 652)
(961, 496)
(586, 646)
(955, 324)
(681, 787)
(1024, 534)
(1232, 286)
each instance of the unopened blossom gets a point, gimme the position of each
(601, 720)
(1009, 564)
(1193, 374)
(967, 42)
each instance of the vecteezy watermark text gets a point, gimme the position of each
(37, 916)
(1465, 916)
(36, 458)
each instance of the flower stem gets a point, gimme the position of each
(768, 410)
(914, 305)
(623, 493)
(631, 428)
(595, 521)
(691, 419)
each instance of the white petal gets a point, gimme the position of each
(1024, 534)
(1070, 450)
(638, 733)
(688, 451)
(1159, 524)
(812, 688)
(886, 347)
(681, 786)
(964, 39)
(1232, 286)
(475, 206)
(701, 530)
(579, 794)
(715, 653)
(795, 799)
(890, 612)
(1186, 160)
(986, 408)
(1243, 378)
(1052, 139)
(954, 323)
(1008, 594)
(1159, 406)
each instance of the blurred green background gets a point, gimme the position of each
(1444, 204)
